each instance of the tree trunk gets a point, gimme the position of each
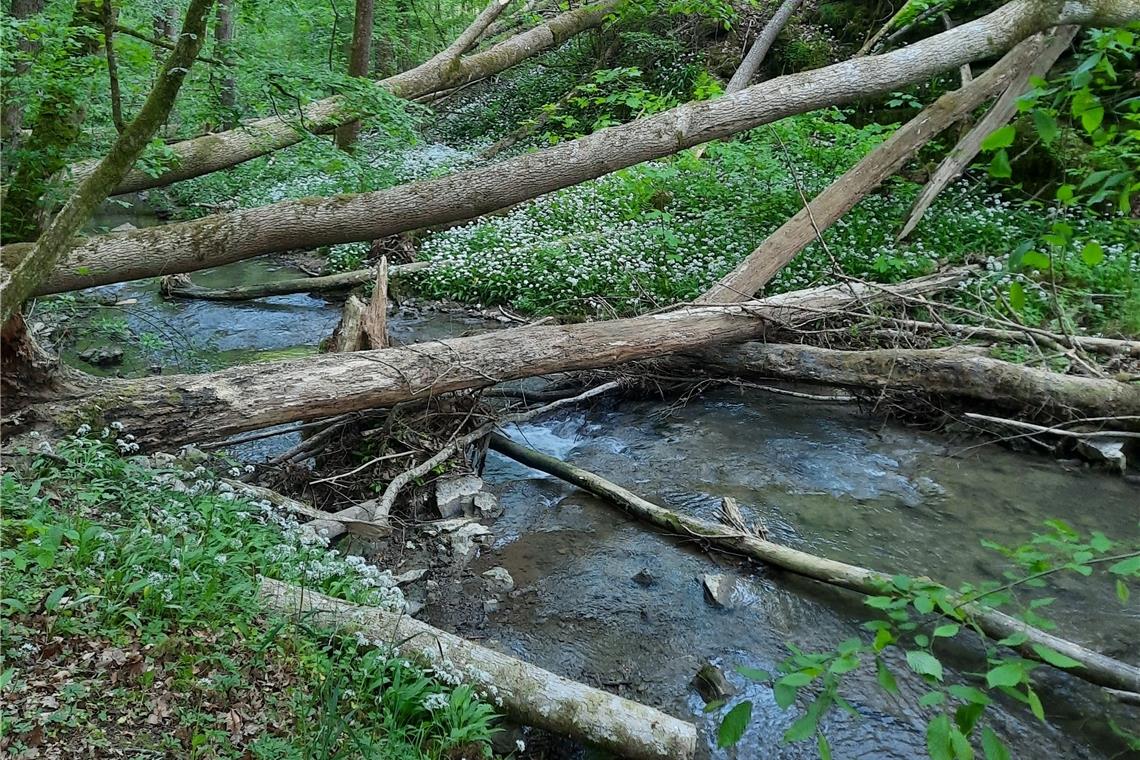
(108, 15)
(12, 118)
(349, 333)
(1096, 668)
(176, 409)
(807, 226)
(62, 108)
(375, 320)
(219, 151)
(55, 241)
(1002, 111)
(530, 695)
(746, 72)
(949, 373)
(175, 289)
(310, 222)
(223, 44)
(358, 60)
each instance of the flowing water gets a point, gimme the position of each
(821, 477)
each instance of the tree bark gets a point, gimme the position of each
(210, 153)
(746, 72)
(223, 238)
(1002, 111)
(224, 44)
(807, 226)
(948, 373)
(349, 333)
(358, 61)
(172, 410)
(343, 281)
(530, 695)
(1096, 668)
(375, 321)
(55, 241)
(12, 117)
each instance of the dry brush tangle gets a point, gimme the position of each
(313, 222)
(529, 694)
(450, 68)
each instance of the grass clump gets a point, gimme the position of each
(131, 620)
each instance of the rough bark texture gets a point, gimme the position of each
(108, 16)
(343, 281)
(779, 248)
(1002, 111)
(358, 60)
(55, 241)
(944, 372)
(1096, 668)
(375, 320)
(759, 50)
(177, 409)
(530, 695)
(223, 43)
(349, 333)
(313, 222)
(218, 151)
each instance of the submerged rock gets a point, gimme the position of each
(499, 580)
(711, 684)
(719, 589)
(102, 356)
(1107, 451)
(455, 496)
(644, 578)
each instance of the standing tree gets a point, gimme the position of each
(358, 61)
(224, 44)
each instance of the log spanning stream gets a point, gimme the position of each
(606, 601)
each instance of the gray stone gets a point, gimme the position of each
(486, 505)
(102, 356)
(711, 684)
(411, 576)
(463, 540)
(1107, 451)
(644, 578)
(499, 580)
(719, 589)
(455, 496)
(491, 605)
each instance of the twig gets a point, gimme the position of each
(1059, 429)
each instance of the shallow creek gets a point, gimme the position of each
(822, 477)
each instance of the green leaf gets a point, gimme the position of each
(1122, 592)
(1092, 254)
(1065, 193)
(999, 138)
(886, 678)
(946, 631)
(715, 705)
(938, 739)
(1100, 542)
(1130, 566)
(969, 694)
(1035, 704)
(1016, 296)
(1056, 659)
(1035, 260)
(823, 747)
(993, 746)
(754, 674)
(1046, 126)
(804, 727)
(932, 698)
(52, 602)
(6, 677)
(1006, 674)
(1092, 118)
(883, 638)
(733, 725)
(799, 678)
(999, 166)
(967, 716)
(924, 664)
(961, 745)
(924, 604)
(785, 695)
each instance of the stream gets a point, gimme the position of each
(605, 600)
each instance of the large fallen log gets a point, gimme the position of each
(806, 226)
(202, 155)
(314, 222)
(529, 695)
(173, 288)
(177, 409)
(1002, 111)
(943, 372)
(1095, 667)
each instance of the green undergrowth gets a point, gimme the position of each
(131, 620)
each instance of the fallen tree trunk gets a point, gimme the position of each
(807, 226)
(210, 153)
(530, 695)
(172, 410)
(944, 372)
(759, 50)
(342, 281)
(1002, 111)
(309, 223)
(1095, 667)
